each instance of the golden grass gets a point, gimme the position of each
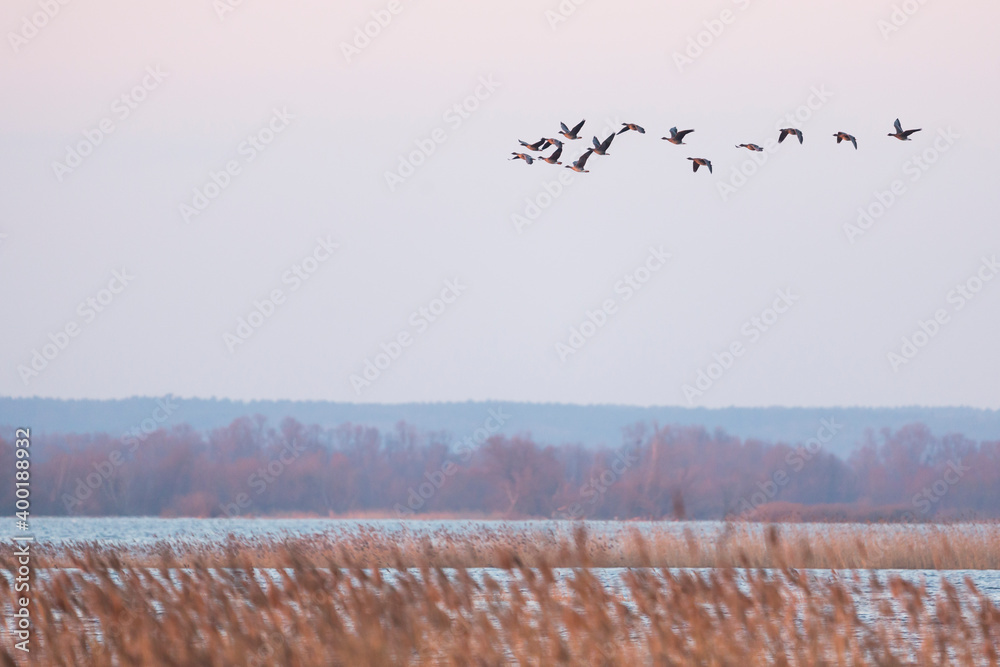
(327, 606)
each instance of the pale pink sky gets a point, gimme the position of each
(324, 175)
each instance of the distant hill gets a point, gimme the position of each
(549, 423)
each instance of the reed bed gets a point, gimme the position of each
(416, 611)
(826, 546)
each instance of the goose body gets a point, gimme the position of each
(539, 145)
(789, 130)
(631, 126)
(574, 133)
(677, 137)
(553, 158)
(900, 133)
(844, 136)
(752, 147)
(601, 147)
(523, 156)
(700, 162)
(581, 163)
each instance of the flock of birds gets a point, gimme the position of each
(676, 137)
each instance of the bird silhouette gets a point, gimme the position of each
(900, 133)
(844, 136)
(700, 161)
(553, 158)
(539, 145)
(790, 130)
(574, 133)
(581, 162)
(601, 147)
(677, 137)
(631, 126)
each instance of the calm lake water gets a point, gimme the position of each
(145, 530)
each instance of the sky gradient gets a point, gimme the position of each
(264, 100)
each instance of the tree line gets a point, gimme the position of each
(252, 468)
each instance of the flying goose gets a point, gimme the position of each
(539, 145)
(581, 163)
(753, 147)
(631, 126)
(601, 148)
(790, 130)
(523, 156)
(574, 133)
(700, 161)
(844, 136)
(901, 134)
(677, 137)
(554, 158)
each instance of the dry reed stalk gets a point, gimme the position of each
(325, 605)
